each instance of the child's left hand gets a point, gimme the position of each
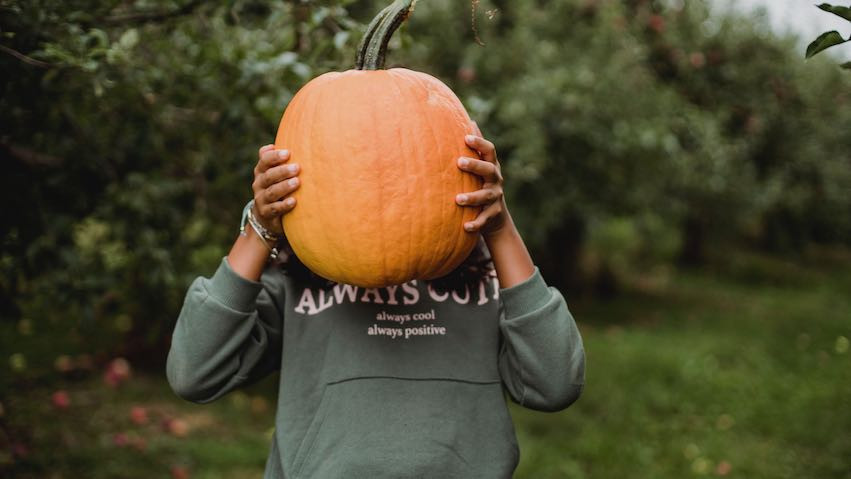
(494, 212)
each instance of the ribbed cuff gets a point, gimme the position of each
(232, 289)
(529, 295)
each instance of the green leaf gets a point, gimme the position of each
(846, 65)
(129, 39)
(844, 12)
(824, 41)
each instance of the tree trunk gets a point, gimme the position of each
(560, 258)
(692, 252)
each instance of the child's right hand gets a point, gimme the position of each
(274, 182)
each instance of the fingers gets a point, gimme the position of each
(484, 147)
(495, 209)
(279, 190)
(476, 130)
(487, 170)
(275, 175)
(272, 187)
(278, 208)
(269, 157)
(481, 197)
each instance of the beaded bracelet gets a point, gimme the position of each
(262, 232)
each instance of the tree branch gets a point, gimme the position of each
(145, 17)
(28, 60)
(29, 156)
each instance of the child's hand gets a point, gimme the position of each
(490, 197)
(274, 181)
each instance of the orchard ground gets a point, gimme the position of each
(738, 372)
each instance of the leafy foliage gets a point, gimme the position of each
(129, 142)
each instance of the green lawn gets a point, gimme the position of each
(690, 375)
(707, 377)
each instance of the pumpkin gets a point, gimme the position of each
(378, 152)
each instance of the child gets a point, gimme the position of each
(396, 382)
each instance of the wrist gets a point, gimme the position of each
(506, 234)
(274, 230)
(252, 248)
(510, 257)
(250, 216)
(249, 255)
(249, 221)
(504, 229)
(258, 238)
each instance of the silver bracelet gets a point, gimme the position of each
(262, 232)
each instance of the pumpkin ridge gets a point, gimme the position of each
(319, 197)
(412, 165)
(375, 165)
(426, 84)
(298, 121)
(424, 166)
(337, 113)
(409, 165)
(382, 229)
(296, 229)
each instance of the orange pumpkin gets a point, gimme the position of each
(378, 151)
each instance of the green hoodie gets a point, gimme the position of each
(398, 382)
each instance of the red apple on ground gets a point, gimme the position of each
(176, 427)
(120, 439)
(117, 372)
(139, 415)
(179, 472)
(60, 399)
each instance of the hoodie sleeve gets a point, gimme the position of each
(229, 333)
(542, 358)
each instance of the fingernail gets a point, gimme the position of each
(289, 201)
(461, 198)
(468, 226)
(292, 168)
(283, 154)
(293, 181)
(463, 162)
(470, 138)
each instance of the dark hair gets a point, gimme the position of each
(470, 272)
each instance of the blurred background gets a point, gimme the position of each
(678, 169)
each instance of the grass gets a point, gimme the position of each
(696, 375)
(707, 376)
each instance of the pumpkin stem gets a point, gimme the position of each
(370, 31)
(373, 47)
